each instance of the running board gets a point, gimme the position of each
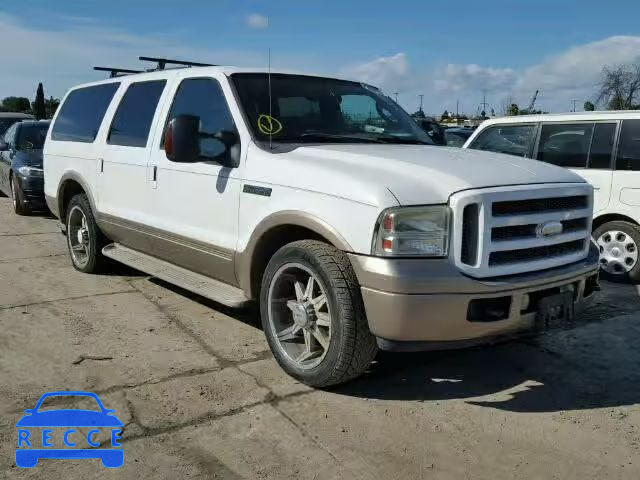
(194, 282)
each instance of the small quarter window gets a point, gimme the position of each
(82, 113)
(132, 121)
(604, 135)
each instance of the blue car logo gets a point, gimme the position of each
(32, 447)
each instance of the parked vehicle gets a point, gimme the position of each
(21, 173)
(9, 118)
(322, 200)
(603, 148)
(456, 137)
(433, 129)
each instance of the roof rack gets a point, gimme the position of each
(116, 72)
(163, 62)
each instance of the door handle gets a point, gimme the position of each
(154, 177)
(101, 165)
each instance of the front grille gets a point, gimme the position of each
(536, 253)
(495, 230)
(529, 231)
(536, 205)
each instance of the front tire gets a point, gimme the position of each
(313, 315)
(84, 238)
(618, 243)
(17, 198)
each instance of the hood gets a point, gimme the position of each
(31, 158)
(415, 174)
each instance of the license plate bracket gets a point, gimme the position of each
(555, 311)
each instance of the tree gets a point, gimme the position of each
(51, 105)
(445, 115)
(16, 104)
(419, 114)
(513, 109)
(39, 108)
(620, 86)
(589, 106)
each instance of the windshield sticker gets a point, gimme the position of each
(269, 125)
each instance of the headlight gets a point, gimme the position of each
(412, 231)
(30, 171)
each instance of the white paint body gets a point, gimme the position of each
(345, 186)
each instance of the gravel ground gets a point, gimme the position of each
(201, 397)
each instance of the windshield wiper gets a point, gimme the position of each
(335, 136)
(401, 140)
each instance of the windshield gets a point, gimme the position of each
(5, 123)
(31, 136)
(313, 109)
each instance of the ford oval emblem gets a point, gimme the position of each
(548, 229)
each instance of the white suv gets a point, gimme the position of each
(321, 199)
(603, 148)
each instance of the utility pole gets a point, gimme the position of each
(457, 108)
(421, 96)
(484, 101)
(396, 94)
(574, 105)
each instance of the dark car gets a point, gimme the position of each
(9, 118)
(433, 129)
(21, 174)
(456, 137)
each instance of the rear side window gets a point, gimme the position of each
(566, 144)
(204, 98)
(511, 139)
(132, 121)
(82, 112)
(604, 136)
(629, 146)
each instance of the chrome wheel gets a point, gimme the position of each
(618, 252)
(299, 315)
(78, 237)
(12, 190)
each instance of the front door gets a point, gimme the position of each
(194, 206)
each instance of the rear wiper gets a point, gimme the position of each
(335, 136)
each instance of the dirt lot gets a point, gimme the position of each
(201, 397)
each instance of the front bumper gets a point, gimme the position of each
(424, 304)
(32, 188)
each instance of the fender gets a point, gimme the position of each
(57, 202)
(245, 258)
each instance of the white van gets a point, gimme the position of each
(322, 200)
(603, 148)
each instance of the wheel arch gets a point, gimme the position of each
(611, 217)
(71, 184)
(274, 232)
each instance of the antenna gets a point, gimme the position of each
(116, 72)
(270, 117)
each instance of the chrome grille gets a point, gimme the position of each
(498, 231)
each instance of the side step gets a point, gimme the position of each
(194, 282)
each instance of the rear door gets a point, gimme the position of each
(586, 148)
(122, 167)
(626, 177)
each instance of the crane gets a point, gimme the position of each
(533, 101)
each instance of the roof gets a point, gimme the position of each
(196, 71)
(567, 116)
(15, 115)
(31, 122)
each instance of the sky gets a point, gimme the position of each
(452, 52)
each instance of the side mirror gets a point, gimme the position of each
(182, 139)
(4, 146)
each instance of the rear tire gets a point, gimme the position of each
(619, 257)
(313, 315)
(84, 238)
